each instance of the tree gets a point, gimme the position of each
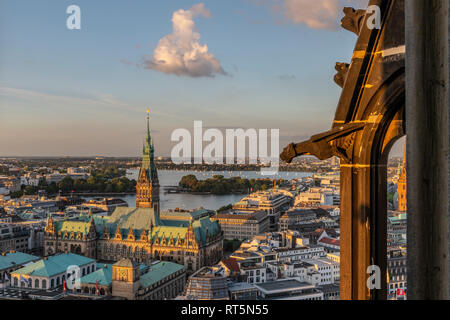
(188, 181)
(29, 190)
(80, 185)
(66, 184)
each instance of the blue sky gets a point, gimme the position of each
(84, 92)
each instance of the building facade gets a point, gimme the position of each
(13, 237)
(207, 284)
(401, 186)
(161, 280)
(242, 226)
(273, 202)
(51, 272)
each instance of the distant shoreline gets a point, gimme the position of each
(97, 194)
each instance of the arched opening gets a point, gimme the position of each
(396, 223)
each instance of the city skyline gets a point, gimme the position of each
(100, 79)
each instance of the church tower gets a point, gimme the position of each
(401, 185)
(147, 187)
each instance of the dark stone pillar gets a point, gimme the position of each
(427, 79)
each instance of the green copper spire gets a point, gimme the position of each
(148, 153)
(149, 139)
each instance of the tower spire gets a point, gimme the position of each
(147, 187)
(148, 128)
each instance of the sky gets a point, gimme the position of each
(263, 64)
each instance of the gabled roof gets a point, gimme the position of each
(330, 241)
(135, 218)
(231, 264)
(202, 225)
(138, 220)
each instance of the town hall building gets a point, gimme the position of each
(139, 234)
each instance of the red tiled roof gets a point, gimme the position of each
(320, 230)
(334, 242)
(231, 264)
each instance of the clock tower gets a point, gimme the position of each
(147, 187)
(125, 279)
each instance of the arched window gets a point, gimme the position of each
(36, 283)
(58, 281)
(44, 284)
(88, 269)
(16, 282)
(102, 291)
(52, 283)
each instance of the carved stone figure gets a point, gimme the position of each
(353, 19)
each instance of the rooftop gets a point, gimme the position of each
(13, 259)
(102, 276)
(240, 286)
(159, 271)
(231, 264)
(54, 265)
(330, 241)
(283, 285)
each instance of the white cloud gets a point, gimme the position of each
(316, 14)
(180, 52)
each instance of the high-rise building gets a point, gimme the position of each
(401, 185)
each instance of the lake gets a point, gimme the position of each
(194, 201)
